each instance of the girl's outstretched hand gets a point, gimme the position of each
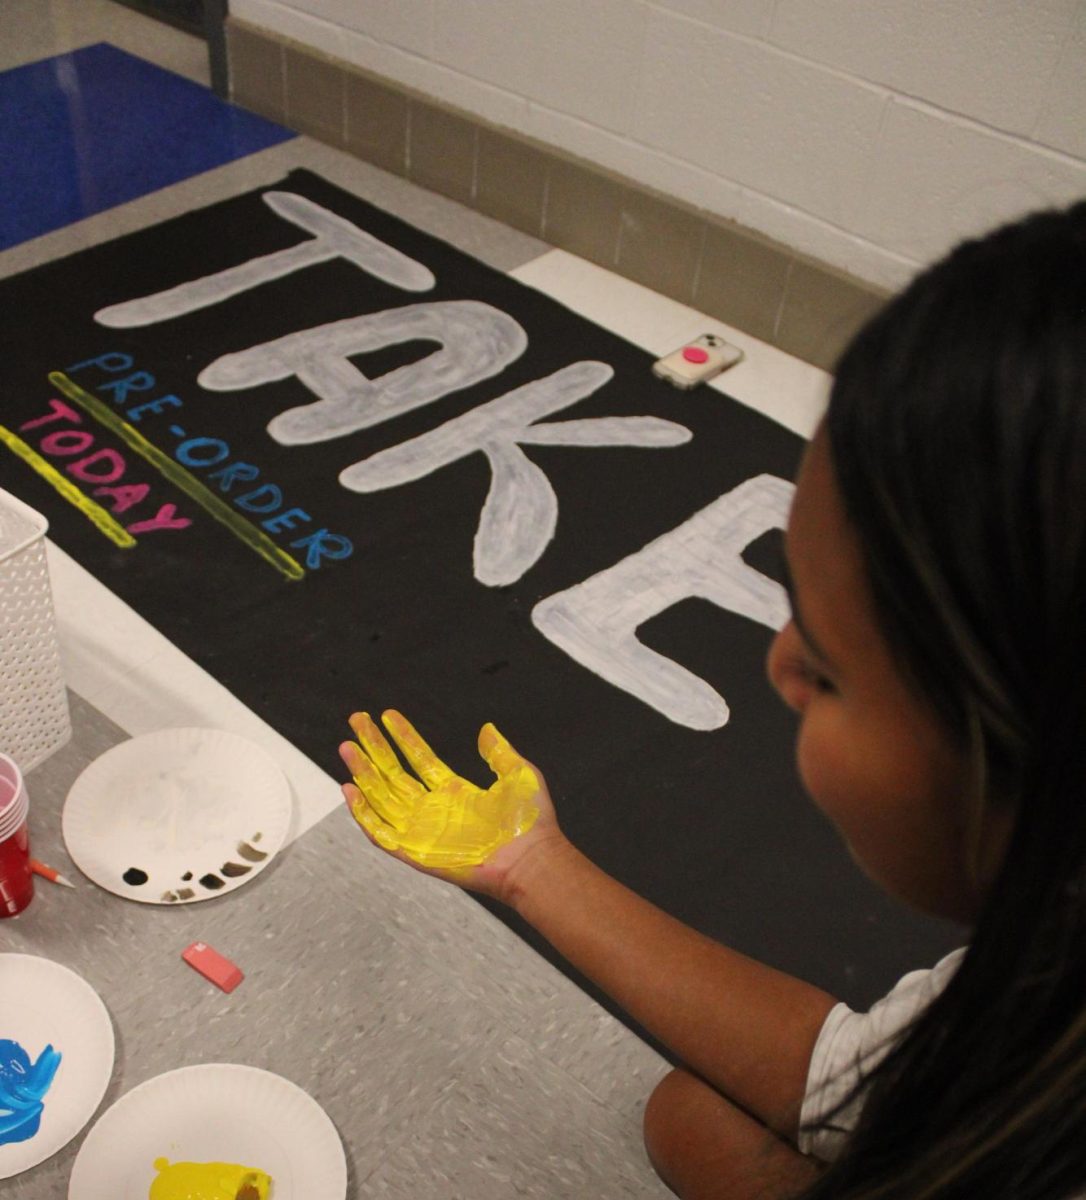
(439, 822)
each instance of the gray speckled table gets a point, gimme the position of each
(451, 1058)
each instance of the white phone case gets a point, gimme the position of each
(697, 361)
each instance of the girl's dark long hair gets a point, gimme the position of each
(957, 429)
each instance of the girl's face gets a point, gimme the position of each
(870, 753)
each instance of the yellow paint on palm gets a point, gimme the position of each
(207, 1181)
(444, 821)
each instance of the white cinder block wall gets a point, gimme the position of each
(871, 134)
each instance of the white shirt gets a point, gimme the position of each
(851, 1044)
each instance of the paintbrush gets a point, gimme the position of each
(54, 876)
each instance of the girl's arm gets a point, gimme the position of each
(745, 1028)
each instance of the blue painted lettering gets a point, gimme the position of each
(141, 381)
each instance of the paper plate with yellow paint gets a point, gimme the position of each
(216, 1113)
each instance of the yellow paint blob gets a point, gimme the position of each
(206, 1181)
(444, 821)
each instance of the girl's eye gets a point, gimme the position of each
(820, 682)
(810, 676)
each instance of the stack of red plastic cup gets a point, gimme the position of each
(16, 878)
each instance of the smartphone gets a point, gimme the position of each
(697, 361)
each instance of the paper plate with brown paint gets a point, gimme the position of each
(177, 816)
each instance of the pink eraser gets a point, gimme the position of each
(211, 965)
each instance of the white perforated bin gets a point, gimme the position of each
(34, 718)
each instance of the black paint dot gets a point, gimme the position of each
(187, 876)
(211, 882)
(134, 876)
(232, 869)
(250, 853)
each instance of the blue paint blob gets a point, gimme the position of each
(22, 1086)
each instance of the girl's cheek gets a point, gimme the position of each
(807, 764)
(821, 764)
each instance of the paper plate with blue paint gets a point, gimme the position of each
(212, 1113)
(56, 1058)
(178, 815)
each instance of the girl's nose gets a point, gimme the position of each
(785, 652)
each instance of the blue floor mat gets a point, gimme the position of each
(83, 132)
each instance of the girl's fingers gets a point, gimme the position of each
(426, 764)
(374, 787)
(404, 788)
(377, 830)
(380, 833)
(352, 757)
(372, 740)
(499, 754)
(362, 770)
(352, 796)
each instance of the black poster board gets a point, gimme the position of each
(388, 610)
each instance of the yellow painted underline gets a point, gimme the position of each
(91, 509)
(243, 529)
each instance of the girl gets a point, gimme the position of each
(936, 658)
